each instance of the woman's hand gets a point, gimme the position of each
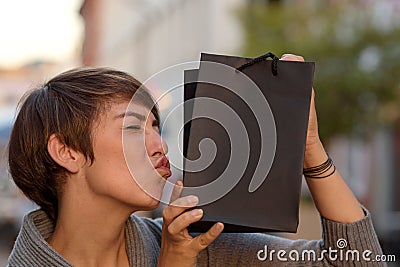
(314, 153)
(332, 197)
(178, 248)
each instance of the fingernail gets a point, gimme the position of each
(193, 200)
(218, 227)
(197, 212)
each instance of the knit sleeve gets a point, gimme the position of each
(352, 238)
(353, 244)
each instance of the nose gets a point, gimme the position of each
(155, 144)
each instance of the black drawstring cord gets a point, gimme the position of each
(274, 63)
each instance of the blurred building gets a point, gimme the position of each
(146, 36)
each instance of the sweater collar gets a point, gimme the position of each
(31, 245)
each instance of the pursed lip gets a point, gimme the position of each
(163, 167)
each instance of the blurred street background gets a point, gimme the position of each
(355, 44)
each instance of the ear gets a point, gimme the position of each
(64, 155)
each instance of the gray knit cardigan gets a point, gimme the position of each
(144, 239)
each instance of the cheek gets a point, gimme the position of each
(109, 174)
(117, 149)
(109, 155)
(122, 170)
(137, 161)
(141, 168)
(109, 163)
(134, 152)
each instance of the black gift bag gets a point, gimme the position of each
(244, 139)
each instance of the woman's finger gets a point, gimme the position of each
(291, 57)
(205, 239)
(184, 220)
(176, 192)
(178, 206)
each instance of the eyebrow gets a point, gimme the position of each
(131, 113)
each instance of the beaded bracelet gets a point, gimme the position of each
(319, 171)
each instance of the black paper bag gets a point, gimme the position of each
(244, 140)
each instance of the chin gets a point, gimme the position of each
(152, 204)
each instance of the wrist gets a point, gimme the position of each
(175, 261)
(314, 155)
(176, 257)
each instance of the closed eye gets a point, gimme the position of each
(133, 127)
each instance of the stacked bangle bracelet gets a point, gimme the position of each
(320, 171)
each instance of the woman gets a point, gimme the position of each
(66, 154)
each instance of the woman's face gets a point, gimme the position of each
(129, 157)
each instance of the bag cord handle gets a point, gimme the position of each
(274, 62)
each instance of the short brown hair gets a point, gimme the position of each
(67, 106)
